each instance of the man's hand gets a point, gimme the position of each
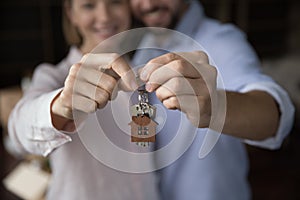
(187, 82)
(183, 81)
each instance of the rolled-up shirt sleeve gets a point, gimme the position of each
(241, 71)
(286, 109)
(30, 126)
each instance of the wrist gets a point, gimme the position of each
(215, 118)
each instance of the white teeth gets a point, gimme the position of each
(153, 14)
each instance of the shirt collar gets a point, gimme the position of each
(191, 19)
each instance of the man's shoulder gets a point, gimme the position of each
(212, 28)
(214, 35)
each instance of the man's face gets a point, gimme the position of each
(158, 13)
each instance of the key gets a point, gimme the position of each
(143, 127)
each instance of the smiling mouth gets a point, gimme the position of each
(105, 31)
(155, 12)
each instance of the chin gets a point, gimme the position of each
(162, 24)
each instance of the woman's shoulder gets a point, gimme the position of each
(50, 68)
(55, 74)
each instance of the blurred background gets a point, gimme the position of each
(31, 33)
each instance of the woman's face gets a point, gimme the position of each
(97, 20)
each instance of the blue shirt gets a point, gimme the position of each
(222, 174)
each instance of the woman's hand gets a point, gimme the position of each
(91, 83)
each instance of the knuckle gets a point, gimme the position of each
(102, 101)
(153, 62)
(202, 55)
(101, 96)
(159, 95)
(86, 56)
(170, 56)
(179, 65)
(66, 99)
(74, 69)
(173, 101)
(110, 84)
(91, 107)
(214, 71)
(69, 81)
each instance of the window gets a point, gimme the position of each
(139, 130)
(146, 130)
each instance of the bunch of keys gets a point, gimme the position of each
(143, 126)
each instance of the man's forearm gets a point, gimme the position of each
(253, 115)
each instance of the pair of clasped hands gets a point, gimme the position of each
(181, 81)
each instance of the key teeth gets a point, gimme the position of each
(143, 144)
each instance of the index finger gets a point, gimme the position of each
(192, 58)
(127, 76)
(156, 63)
(98, 60)
(112, 62)
(184, 64)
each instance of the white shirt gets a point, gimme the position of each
(76, 174)
(220, 175)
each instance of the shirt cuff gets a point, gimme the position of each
(287, 111)
(45, 136)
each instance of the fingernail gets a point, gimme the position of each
(144, 75)
(134, 85)
(148, 87)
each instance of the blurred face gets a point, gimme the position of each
(158, 13)
(97, 20)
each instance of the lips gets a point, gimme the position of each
(154, 15)
(105, 31)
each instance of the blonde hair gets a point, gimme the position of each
(71, 33)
